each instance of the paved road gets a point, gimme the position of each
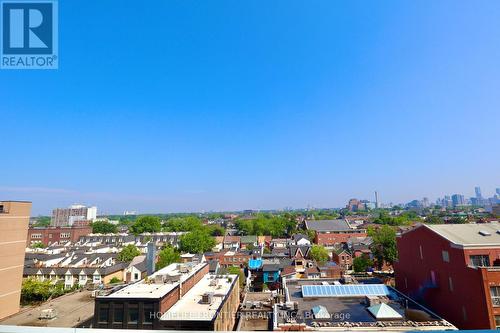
(72, 309)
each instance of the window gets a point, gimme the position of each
(133, 314)
(421, 253)
(480, 260)
(103, 314)
(446, 256)
(495, 295)
(136, 276)
(118, 314)
(148, 314)
(64, 235)
(36, 236)
(497, 321)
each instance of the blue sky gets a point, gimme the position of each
(219, 105)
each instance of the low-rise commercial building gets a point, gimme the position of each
(182, 296)
(333, 232)
(56, 235)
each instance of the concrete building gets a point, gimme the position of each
(14, 219)
(455, 270)
(333, 232)
(56, 235)
(179, 296)
(73, 215)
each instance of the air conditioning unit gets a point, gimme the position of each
(207, 298)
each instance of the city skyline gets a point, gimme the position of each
(103, 209)
(226, 105)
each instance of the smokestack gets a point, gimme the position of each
(376, 199)
(150, 258)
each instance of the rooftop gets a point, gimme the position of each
(170, 277)
(328, 225)
(353, 311)
(191, 307)
(469, 235)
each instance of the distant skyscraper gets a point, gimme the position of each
(75, 214)
(376, 198)
(498, 190)
(478, 192)
(458, 200)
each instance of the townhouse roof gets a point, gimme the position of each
(328, 225)
(248, 239)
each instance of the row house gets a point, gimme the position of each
(76, 276)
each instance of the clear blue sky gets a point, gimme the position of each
(165, 105)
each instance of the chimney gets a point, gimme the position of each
(150, 258)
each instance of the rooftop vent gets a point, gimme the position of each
(484, 233)
(207, 298)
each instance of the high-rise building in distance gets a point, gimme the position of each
(498, 190)
(458, 200)
(477, 189)
(14, 219)
(74, 215)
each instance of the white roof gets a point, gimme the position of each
(189, 307)
(142, 289)
(470, 234)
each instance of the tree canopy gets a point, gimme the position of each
(197, 241)
(267, 224)
(128, 253)
(167, 256)
(402, 219)
(362, 263)
(33, 290)
(319, 253)
(146, 224)
(103, 227)
(384, 244)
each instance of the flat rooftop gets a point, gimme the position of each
(469, 234)
(151, 289)
(73, 310)
(190, 306)
(352, 310)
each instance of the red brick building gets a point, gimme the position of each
(454, 270)
(333, 232)
(51, 235)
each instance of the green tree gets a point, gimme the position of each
(38, 245)
(103, 227)
(320, 254)
(237, 271)
(42, 221)
(115, 280)
(384, 244)
(434, 219)
(362, 263)
(34, 291)
(146, 224)
(128, 253)
(167, 256)
(197, 241)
